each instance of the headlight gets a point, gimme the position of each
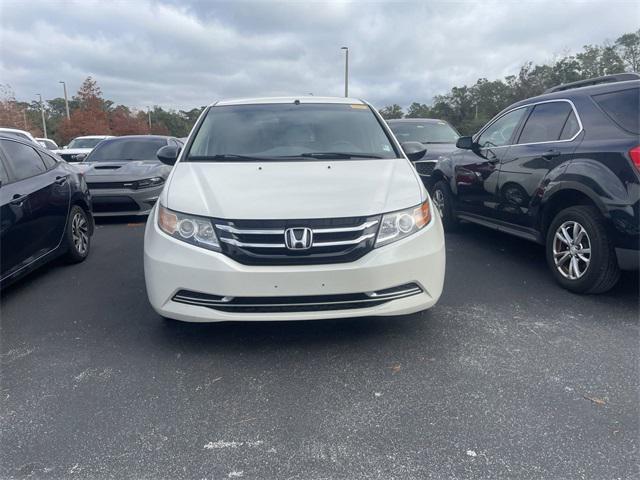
(148, 182)
(188, 228)
(401, 224)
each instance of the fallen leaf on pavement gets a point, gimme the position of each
(597, 401)
(395, 368)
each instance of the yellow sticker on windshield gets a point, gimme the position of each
(361, 107)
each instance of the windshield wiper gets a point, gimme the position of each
(227, 156)
(337, 155)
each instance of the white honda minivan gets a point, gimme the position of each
(292, 209)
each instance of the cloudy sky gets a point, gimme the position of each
(183, 54)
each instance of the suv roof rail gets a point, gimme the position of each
(618, 77)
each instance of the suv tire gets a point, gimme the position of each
(579, 251)
(443, 200)
(77, 237)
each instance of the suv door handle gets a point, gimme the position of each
(18, 200)
(549, 154)
(61, 180)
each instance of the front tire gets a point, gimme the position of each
(579, 251)
(77, 237)
(443, 201)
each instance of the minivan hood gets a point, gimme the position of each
(292, 190)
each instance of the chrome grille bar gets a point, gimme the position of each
(237, 243)
(280, 231)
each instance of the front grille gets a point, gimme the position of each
(303, 303)
(112, 185)
(425, 167)
(103, 204)
(69, 157)
(262, 242)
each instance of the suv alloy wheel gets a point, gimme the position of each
(579, 251)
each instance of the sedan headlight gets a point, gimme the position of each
(401, 224)
(195, 230)
(148, 182)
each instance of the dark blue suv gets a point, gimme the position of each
(561, 169)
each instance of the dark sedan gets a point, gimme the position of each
(124, 174)
(45, 209)
(438, 137)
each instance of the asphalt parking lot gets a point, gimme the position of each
(509, 376)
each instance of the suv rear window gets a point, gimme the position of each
(622, 107)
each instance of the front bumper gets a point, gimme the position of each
(171, 266)
(126, 202)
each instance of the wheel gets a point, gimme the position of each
(579, 251)
(443, 200)
(76, 235)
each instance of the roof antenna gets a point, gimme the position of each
(296, 101)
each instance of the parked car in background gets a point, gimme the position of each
(561, 169)
(19, 134)
(292, 209)
(45, 209)
(48, 143)
(438, 137)
(124, 174)
(80, 147)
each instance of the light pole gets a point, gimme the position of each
(66, 101)
(149, 112)
(44, 124)
(346, 71)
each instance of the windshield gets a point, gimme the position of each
(424, 132)
(290, 131)
(122, 149)
(84, 142)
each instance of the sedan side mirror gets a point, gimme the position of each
(168, 154)
(465, 143)
(80, 157)
(413, 150)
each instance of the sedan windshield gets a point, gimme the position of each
(424, 132)
(290, 131)
(123, 149)
(84, 142)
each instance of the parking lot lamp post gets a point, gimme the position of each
(346, 71)
(149, 113)
(44, 124)
(66, 101)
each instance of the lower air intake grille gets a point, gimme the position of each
(306, 303)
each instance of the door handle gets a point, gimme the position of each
(549, 154)
(18, 200)
(61, 180)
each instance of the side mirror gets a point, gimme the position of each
(466, 143)
(413, 150)
(80, 157)
(168, 154)
(65, 147)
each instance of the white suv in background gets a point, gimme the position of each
(80, 147)
(292, 208)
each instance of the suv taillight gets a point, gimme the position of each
(634, 153)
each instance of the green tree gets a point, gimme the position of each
(628, 46)
(392, 111)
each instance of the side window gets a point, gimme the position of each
(48, 160)
(622, 107)
(571, 127)
(499, 133)
(545, 122)
(24, 161)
